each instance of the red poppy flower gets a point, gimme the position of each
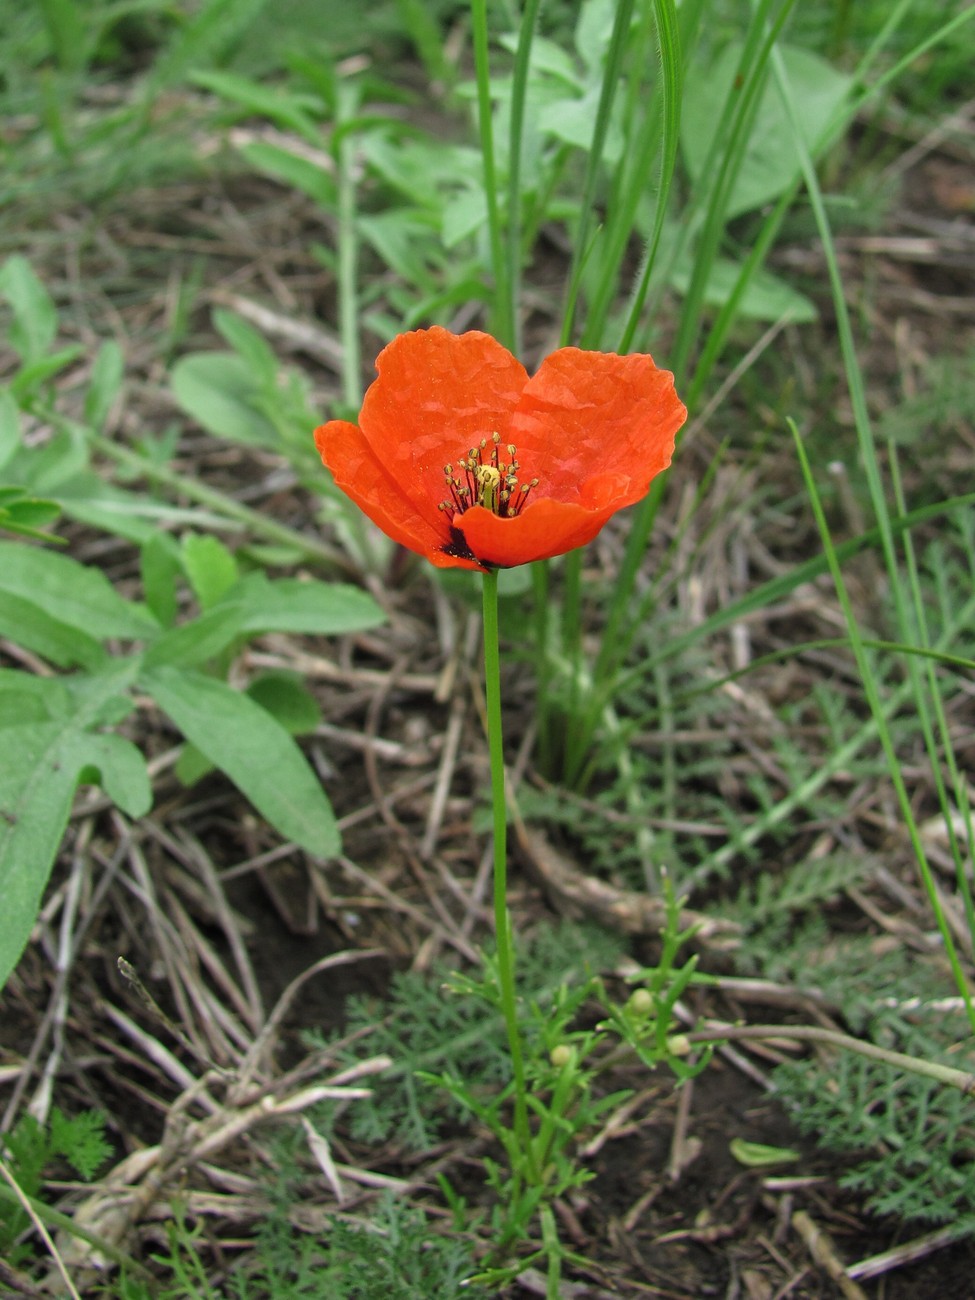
(462, 457)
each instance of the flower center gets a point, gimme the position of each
(484, 478)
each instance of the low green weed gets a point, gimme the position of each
(114, 651)
(428, 1025)
(29, 1151)
(395, 1256)
(446, 1039)
(908, 1141)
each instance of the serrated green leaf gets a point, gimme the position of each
(254, 751)
(40, 766)
(209, 566)
(310, 607)
(72, 593)
(81, 1140)
(217, 390)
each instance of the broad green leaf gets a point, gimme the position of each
(301, 173)
(71, 593)
(159, 564)
(207, 34)
(25, 697)
(253, 750)
(134, 515)
(463, 216)
(282, 695)
(406, 240)
(770, 164)
(41, 763)
(191, 766)
(593, 33)
(217, 390)
(119, 768)
(202, 639)
(247, 343)
(9, 426)
(43, 469)
(33, 374)
(547, 58)
(766, 297)
(293, 112)
(33, 628)
(35, 323)
(310, 607)
(26, 515)
(209, 566)
(286, 698)
(571, 120)
(105, 383)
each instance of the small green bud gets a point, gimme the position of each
(641, 1001)
(561, 1055)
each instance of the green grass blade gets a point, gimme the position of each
(611, 76)
(672, 89)
(504, 313)
(519, 92)
(880, 714)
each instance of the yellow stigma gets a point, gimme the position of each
(482, 477)
(488, 481)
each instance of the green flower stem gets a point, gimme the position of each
(947, 1074)
(502, 923)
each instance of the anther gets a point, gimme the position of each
(486, 480)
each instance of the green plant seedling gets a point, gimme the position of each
(29, 1150)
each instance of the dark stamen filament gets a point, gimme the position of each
(491, 482)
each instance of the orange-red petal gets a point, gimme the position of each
(588, 415)
(355, 469)
(542, 530)
(593, 428)
(438, 394)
